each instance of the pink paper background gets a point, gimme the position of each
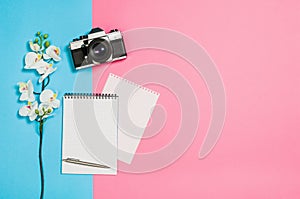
(256, 46)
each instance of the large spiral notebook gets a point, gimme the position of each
(90, 128)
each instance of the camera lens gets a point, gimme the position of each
(100, 50)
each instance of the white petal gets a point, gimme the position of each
(46, 95)
(31, 97)
(24, 96)
(31, 112)
(41, 70)
(34, 47)
(51, 70)
(56, 57)
(29, 86)
(53, 52)
(32, 117)
(50, 49)
(30, 59)
(55, 103)
(40, 64)
(46, 73)
(34, 105)
(46, 56)
(31, 46)
(24, 110)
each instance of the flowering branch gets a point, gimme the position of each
(41, 59)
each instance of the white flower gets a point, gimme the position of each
(48, 99)
(26, 90)
(45, 70)
(34, 47)
(34, 61)
(52, 52)
(29, 110)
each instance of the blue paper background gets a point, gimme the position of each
(19, 169)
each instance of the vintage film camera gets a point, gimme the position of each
(97, 47)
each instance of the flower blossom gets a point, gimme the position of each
(44, 71)
(48, 99)
(34, 61)
(29, 110)
(26, 90)
(52, 52)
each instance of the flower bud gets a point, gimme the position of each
(38, 33)
(36, 111)
(45, 36)
(47, 44)
(49, 110)
(36, 40)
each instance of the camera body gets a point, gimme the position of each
(97, 47)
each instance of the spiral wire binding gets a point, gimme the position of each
(90, 96)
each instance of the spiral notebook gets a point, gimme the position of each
(90, 128)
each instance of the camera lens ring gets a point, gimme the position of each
(99, 51)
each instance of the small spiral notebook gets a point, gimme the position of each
(90, 128)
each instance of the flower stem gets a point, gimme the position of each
(41, 159)
(48, 81)
(41, 41)
(40, 151)
(43, 86)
